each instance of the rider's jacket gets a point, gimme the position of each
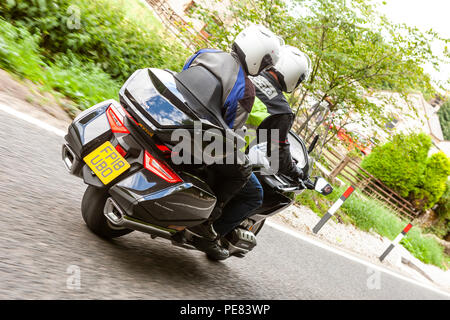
(238, 92)
(272, 111)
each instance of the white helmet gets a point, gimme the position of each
(292, 68)
(257, 48)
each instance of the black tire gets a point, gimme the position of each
(92, 206)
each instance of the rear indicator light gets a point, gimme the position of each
(160, 169)
(115, 121)
(120, 150)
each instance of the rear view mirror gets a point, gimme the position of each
(322, 186)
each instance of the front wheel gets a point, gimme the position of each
(92, 207)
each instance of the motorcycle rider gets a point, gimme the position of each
(272, 111)
(254, 49)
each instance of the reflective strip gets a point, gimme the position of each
(398, 239)
(407, 228)
(348, 192)
(335, 206)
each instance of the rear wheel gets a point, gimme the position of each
(92, 207)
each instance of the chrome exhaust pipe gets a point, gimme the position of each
(69, 158)
(119, 220)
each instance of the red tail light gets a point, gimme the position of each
(115, 120)
(160, 169)
(163, 148)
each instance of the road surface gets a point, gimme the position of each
(43, 239)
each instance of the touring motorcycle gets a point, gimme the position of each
(123, 152)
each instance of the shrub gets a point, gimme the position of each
(401, 162)
(19, 51)
(444, 119)
(85, 83)
(434, 179)
(102, 33)
(442, 226)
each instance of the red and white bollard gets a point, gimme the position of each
(395, 242)
(333, 209)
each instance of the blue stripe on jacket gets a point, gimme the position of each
(236, 94)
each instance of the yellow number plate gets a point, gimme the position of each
(106, 162)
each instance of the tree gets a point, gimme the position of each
(353, 49)
(444, 119)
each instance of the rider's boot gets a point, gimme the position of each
(212, 248)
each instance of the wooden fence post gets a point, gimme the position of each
(340, 166)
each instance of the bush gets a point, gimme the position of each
(444, 119)
(401, 162)
(442, 226)
(443, 209)
(434, 179)
(85, 83)
(19, 52)
(96, 31)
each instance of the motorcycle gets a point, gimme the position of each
(123, 152)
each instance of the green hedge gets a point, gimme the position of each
(400, 162)
(403, 165)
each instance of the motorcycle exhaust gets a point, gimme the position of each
(118, 219)
(69, 158)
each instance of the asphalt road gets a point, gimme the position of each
(43, 234)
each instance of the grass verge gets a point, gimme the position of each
(84, 83)
(370, 215)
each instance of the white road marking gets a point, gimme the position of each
(351, 257)
(29, 119)
(58, 132)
